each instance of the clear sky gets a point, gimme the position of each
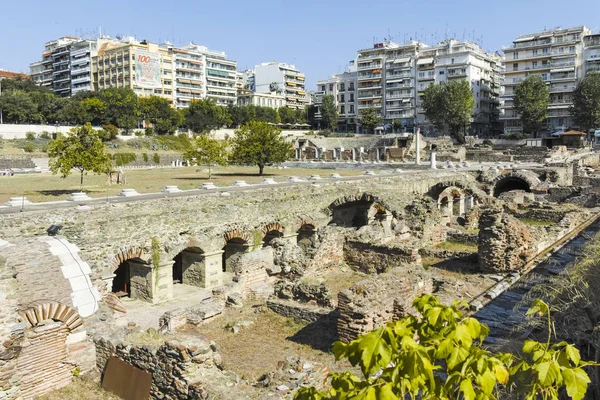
(318, 36)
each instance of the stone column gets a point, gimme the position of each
(469, 203)
(461, 205)
(353, 154)
(341, 152)
(377, 153)
(432, 162)
(213, 269)
(417, 147)
(163, 286)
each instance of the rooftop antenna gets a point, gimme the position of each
(446, 36)
(464, 31)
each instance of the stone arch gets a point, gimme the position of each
(272, 231)
(186, 266)
(477, 194)
(39, 311)
(125, 255)
(516, 180)
(236, 234)
(354, 211)
(237, 242)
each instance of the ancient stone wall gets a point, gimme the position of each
(372, 258)
(373, 302)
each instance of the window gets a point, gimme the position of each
(534, 64)
(342, 98)
(441, 72)
(351, 109)
(571, 49)
(351, 97)
(342, 87)
(516, 55)
(452, 61)
(322, 88)
(515, 66)
(534, 52)
(342, 110)
(331, 87)
(545, 50)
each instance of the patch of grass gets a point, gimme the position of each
(452, 245)
(150, 337)
(84, 388)
(430, 261)
(536, 222)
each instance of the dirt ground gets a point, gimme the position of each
(84, 388)
(48, 187)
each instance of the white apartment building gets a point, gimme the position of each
(557, 56)
(246, 97)
(54, 70)
(591, 53)
(392, 78)
(281, 78)
(343, 89)
(221, 76)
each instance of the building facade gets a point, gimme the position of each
(281, 78)
(54, 69)
(246, 97)
(343, 89)
(557, 56)
(591, 55)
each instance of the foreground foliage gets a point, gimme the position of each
(450, 105)
(531, 103)
(440, 356)
(205, 150)
(586, 102)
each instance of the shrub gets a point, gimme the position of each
(109, 132)
(149, 131)
(145, 157)
(156, 158)
(180, 142)
(45, 135)
(44, 148)
(124, 158)
(488, 142)
(29, 148)
(139, 133)
(30, 135)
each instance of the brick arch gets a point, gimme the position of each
(436, 190)
(236, 234)
(363, 197)
(124, 255)
(306, 222)
(526, 179)
(276, 226)
(39, 311)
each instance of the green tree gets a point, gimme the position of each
(267, 114)
(300, 115)
(159, 112)
(439, 356)
(206, 115)
(286, 115)
(459, 106)
(121, 107)
(258, 143)
(433, 103)
(369, 119)
(531, 103)
(49, 107)
(329, 112)
(205, 150)
(586, 102)
(82, 150)
(17, 107)
(311, 110)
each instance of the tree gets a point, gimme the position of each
(159, 112)
(586, 102)
(439, 356)
(531, 102)
(311, 110)
(206, 150)
(121, 107)
(369, 119)
(329, 112)
(17, 107)
(286, 115)
(205, 115)
(258, 143)
(82, 150)
(459, 106)
(450, 105)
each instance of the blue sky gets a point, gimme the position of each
(318, 36)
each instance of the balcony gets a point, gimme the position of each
(83, 70)
(567, 77)
(428, 77)
(533, 43)
(370, 57)
(368, 105)
(457, 73)
(398, 106)
(399, 75)
(562, 89)
(75, 89)
(373, 85)
(364, 67)
(369, 95)
(369, 76)
(400, 96)
(560, 102)
(81, 80)
(533, 67)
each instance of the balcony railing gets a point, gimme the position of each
(398, 86)
(563, 77)
(542, 66)
(374, 85)
(400, 96)
(371, 57)
(592, 42)
(369, 105)
(533, 43)
(362, 67)
(563, 64)
(369, 95)
(401, 75)
(369, 76)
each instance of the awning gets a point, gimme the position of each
(196, 91)
(291, 83)
(397, 80)
(376, 101)
(524, 39)
(300, 92)
(402, 60)
(183, 80)
(566, 69)
(424, 61)
(184, 90)
(406, 100)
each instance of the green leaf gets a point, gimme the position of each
(529, 346)
(538, 307)
(339, 350)
(386, 392)
(576, 382)
(487, 381)
(375, 353)
(573, 354)
(466, 387)
(547, 372)
(501, 373)
(458, 355)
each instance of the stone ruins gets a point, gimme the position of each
(165, 266)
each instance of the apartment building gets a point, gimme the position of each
(392, 78)
(189, 72)
(142, 66)
(11, 75)
(343, 89)
(281, 78)
(54, 69)
(557, 56)
(221, 77)
(591, 54)
(246, 97)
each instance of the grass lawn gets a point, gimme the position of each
(84, 388)
(451, 245)
(48, 187)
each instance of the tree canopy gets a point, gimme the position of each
(159, 112)
(205, 115)
(81, 149)
(369, 119)
(586, 102)
(204, 150)
(531, 103)
(258, 143)
(329, 113)
(450, 105)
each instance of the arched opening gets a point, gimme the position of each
(133, 279)
(233, 249)
(188, 267)
(445, 206)
(270, 235)
(353, 214)
(510, 183)
(456, 204)
(306, 238)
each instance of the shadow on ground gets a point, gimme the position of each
(320, 334)
(62, 192)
